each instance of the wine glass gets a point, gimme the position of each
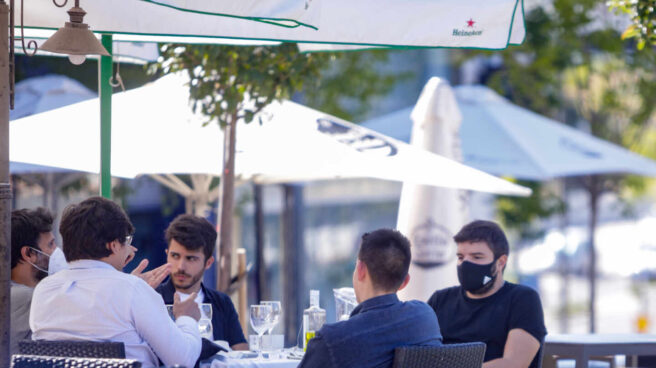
(276, 310)
(260, 319)
(205, 321)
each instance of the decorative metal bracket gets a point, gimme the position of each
(28, 50)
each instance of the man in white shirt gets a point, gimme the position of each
(94, 300)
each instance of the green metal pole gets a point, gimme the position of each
(105, 69)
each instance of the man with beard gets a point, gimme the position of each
(32, 244)
(507, 317)
(191, 243)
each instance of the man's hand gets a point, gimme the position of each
(152, 277)
(186, 308)
(133, 251)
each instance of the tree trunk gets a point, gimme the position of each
(293, 287)
(227, 204)
(563, 260)
(594, 193)
(261, 290)
(5, 189)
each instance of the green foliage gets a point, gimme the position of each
(342, 84)
(643, 16)
(519, 213)
(572, 71)
(228, 83)
(351, 83)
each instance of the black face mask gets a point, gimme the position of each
(476, 278)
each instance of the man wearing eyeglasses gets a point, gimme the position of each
(94, 300)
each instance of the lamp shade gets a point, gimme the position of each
(74, 39)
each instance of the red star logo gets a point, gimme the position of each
(470, 23)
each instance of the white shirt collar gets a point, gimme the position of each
(89, 263)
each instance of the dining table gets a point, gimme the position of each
(250, 360)
(585, 347)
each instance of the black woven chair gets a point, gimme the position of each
(469, 355)
(35, 361)
(66, 348)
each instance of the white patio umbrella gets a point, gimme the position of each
(504, 139)
(180, 17)
(490, 24)
(39, 94)
(430, 216)
(155, 132)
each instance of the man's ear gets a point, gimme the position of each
(503, 260)
(113, 246)
(209, 262)
(405, 282)
(26, 253)
(361, 270)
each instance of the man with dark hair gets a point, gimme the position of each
(94, 300)
(191, 242)
(380, 323)
(32, 244)
(507, 317)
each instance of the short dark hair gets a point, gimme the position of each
(386, 253)
(193, 233)
(26, 227)
(485, 231)
(88, 226)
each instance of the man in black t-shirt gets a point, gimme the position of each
(507, 317)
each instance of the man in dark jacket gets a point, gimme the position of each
(191, 243)
(381, 322)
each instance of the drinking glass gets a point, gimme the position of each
(205, 321)
(205, 310)
(261, 316)
(276, 310)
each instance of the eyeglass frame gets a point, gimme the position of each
(128, 240)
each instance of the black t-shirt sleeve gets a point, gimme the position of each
(438, 297)
(432, 301)
(527, 314)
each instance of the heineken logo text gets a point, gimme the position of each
(467, 33)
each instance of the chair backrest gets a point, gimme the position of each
(469, 355)
(36, 361)
(79, 349)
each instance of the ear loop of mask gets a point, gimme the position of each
(35, 266)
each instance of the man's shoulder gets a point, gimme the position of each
(444, 294)
(418, 307)
(21, 295)
(216, 296)
(20, 291)
(521, 291)
(111, 278)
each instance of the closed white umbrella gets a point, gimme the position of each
(155, 131)
(430, 216)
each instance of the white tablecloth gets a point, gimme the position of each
(252, 363)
